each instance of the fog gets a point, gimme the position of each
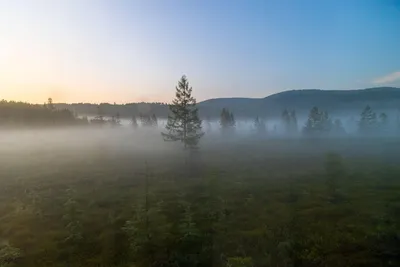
(87, 140)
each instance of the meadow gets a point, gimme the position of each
(118, 198)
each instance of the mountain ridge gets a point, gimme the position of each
(302, 100)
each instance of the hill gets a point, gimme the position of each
(335, 101)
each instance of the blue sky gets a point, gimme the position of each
(125, 50)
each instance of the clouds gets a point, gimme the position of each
(387, 79)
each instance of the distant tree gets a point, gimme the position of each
(99, 119)
(134, 122)
(286, 121)
(183, 123)
(118, 118)
(115, 120)
(154, 121)
(368, 122)
(227, 121)
(383, 119)
(293, 122)
(50, 104)
(207, 124)
(326, 122)
(259, 126)
(145, 120)
(383, 123)
(318, 122)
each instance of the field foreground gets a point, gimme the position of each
(265, 203)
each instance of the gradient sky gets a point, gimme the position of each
(126, 51)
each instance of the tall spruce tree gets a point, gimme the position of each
(183, 123)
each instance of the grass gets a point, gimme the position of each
(239, 204)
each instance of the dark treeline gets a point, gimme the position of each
(15, 114)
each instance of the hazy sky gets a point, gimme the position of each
(126, 50)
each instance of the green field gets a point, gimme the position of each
(270, 202)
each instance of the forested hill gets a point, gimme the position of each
(334, 101)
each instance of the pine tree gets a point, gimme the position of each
(259, 126)
(154, 121)
(115, 120)
(145, 120)
(318, 122)
(207, 124)
(183, 123)
(383, 123)
(293, 122)
(227, 121)
(326, 122)
(118, 119)
(368, 121)
(134, 122)
(286, 121)
(50, 104)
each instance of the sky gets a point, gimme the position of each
(128, 51)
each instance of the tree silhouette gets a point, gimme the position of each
(227, 121)
(318, 122)
(286, 121)
(183, 123)
(368, 122)
(134, 122)
(154, 120)
(259, 126)
(293, 122)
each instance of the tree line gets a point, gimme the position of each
(24, 114)
(183, 122)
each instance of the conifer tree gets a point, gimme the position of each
(50, 104)
(207, 124)
(227, 121)
(134, 122)
(145, 120)
(383, 123)
(259, 126)
(183, 123)
(326, 122)
(115, 120)
(318, 122)
(154, 121)
(293, 122)
(286, 121)
(368, 121)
